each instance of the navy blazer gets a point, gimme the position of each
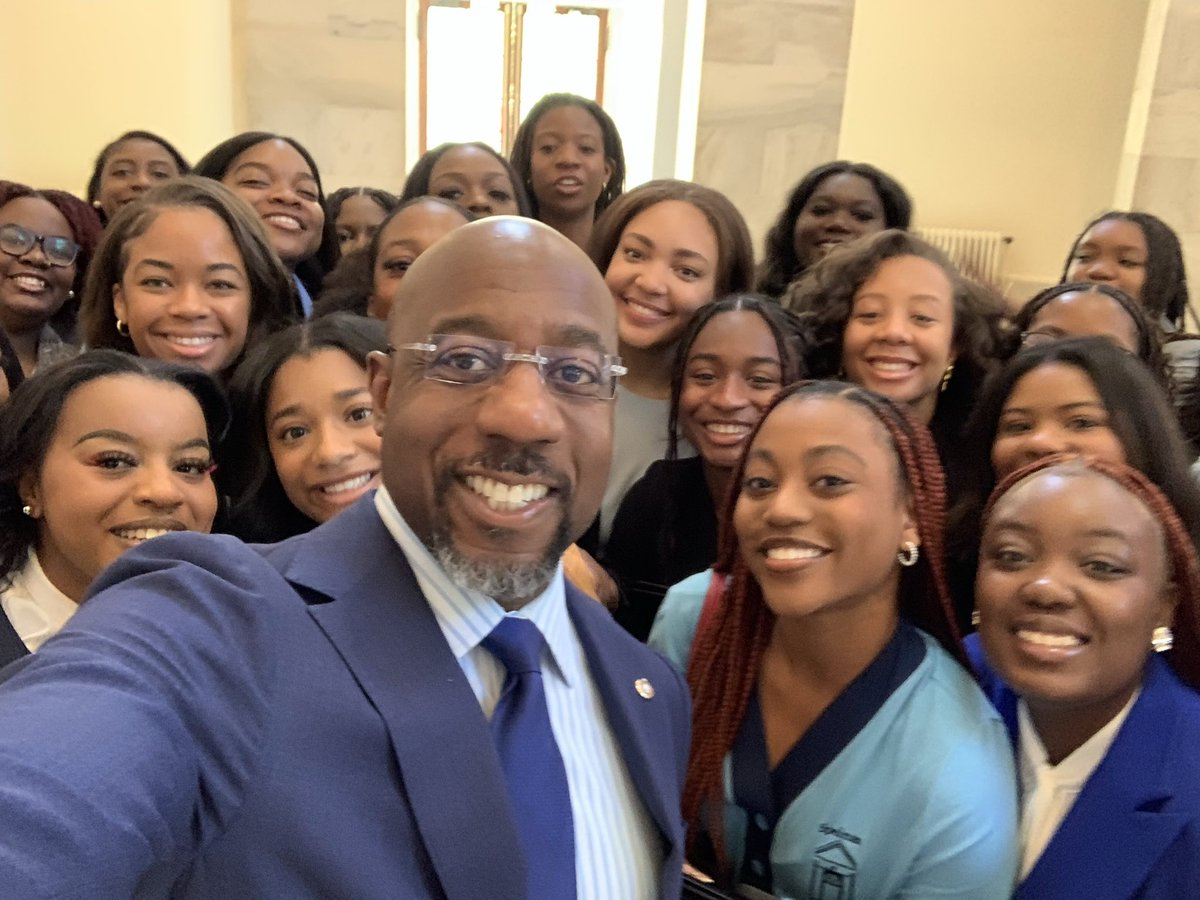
(1134, 830)
(285, 721)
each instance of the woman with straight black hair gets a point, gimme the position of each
(1083, 396)
(304, 444)
(98, 454)
(279, 178)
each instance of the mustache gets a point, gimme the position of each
(507, 457)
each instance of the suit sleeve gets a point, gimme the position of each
(126, 741)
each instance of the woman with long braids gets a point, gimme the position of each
(836, 733)
(1086, 569)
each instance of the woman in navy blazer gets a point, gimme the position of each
(1086, 570)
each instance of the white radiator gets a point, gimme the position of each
(978, 254)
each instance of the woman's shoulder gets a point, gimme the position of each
(675, 624)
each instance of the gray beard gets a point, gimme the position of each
(511, 584)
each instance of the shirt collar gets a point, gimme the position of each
(1073, 771)
(466, 616)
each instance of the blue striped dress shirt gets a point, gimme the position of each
(617, 847)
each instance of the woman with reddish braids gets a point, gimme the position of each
(838, 742)
(1085, 570)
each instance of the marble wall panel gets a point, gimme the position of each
(771, 93)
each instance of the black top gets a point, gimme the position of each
(664, 531)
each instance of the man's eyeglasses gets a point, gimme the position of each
(17, 241)
(572, 371)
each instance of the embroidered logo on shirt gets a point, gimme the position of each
(834, 868)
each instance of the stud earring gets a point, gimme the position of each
(70, 295)
(28, 510)
(96, 203)
(909, 555)
(946, 377)
(1162, 639)
(122, 328)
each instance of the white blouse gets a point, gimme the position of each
(34, 606)
(1048, 792)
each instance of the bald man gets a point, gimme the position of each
(311, 719)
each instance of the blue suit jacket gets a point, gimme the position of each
(1134, 830)
(285, 721)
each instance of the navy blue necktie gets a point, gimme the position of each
(533, 766)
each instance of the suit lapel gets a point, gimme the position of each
(642, 728)
(389, 638)
(1113, 835)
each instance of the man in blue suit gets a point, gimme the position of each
(311, 719)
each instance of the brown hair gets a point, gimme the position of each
(272, 292)
(1184, 656)
(735, 263)
(727, 653)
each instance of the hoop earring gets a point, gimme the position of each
(946, 378)
(122, 328)
(1162, 639)
(909, 555)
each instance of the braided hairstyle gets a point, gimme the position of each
(1149, 343)
(726, 655)
(1165, 292)
(1184, 563)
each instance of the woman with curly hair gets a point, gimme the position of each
(833, 716)
(892, 314)
(834, 203)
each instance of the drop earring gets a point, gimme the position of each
(946, 376)
(1162, 639)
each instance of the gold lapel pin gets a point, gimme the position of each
(644, 688)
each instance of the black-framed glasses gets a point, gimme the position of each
(582, 372)
(17, 241)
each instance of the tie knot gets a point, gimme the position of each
(517, 643)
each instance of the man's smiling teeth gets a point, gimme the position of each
(1043, 639)
(140, 534)
(794, 553)
(30, 282)
(727, 428)
(288, 223)
(506, 497)
(350, 484)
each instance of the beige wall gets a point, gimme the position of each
(80, 72)
(996, 114)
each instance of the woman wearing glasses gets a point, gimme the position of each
(46, 240)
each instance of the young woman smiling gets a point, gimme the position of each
(890, 312)
(185, 273)
(735, 356)
(1085, 570)
(667, 249)
(824, 659)
(47, 239)
(306, 446)
(97, 454)
(279, 178)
